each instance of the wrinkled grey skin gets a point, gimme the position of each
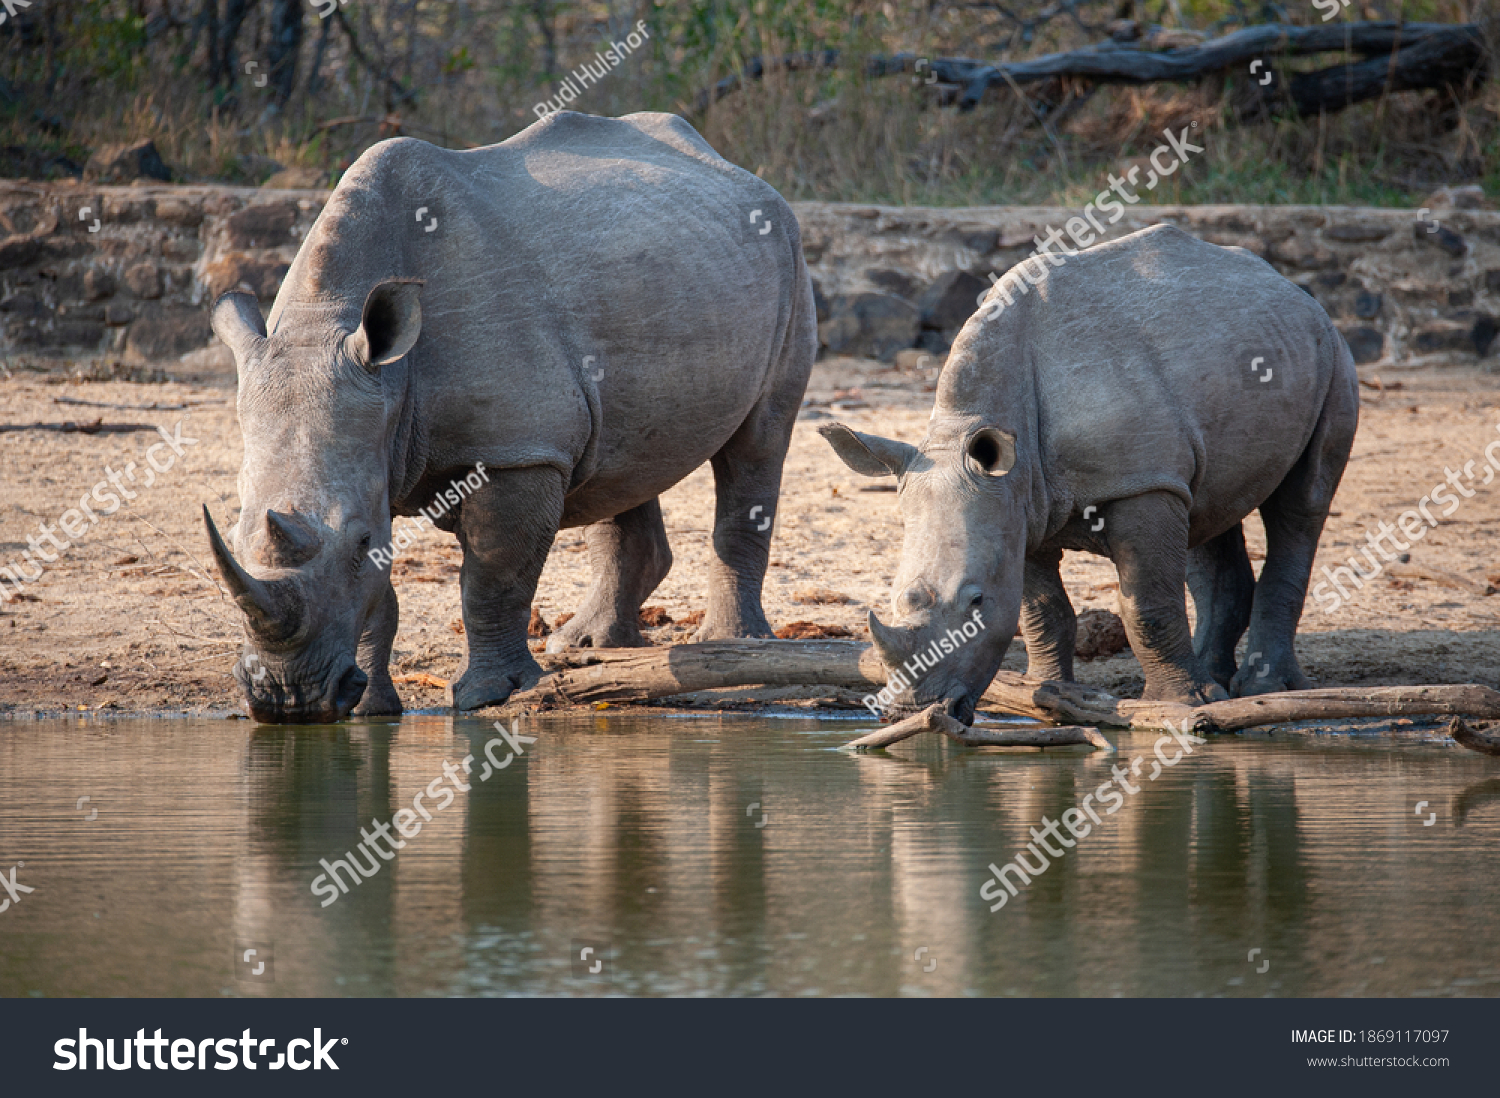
(1122, 386)
(589, 320)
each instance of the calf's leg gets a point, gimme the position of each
(1048, 624)
(505, 530)
(1147, 537)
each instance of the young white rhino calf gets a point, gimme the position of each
(1138, 403)
(563, 326)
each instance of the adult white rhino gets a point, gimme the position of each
(589, 311)
(1139, 403)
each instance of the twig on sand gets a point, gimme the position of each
(422, 678)
(97, 427)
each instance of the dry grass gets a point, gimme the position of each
(832, 135)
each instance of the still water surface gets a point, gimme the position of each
(734, 855)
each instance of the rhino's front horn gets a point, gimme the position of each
(890, 643)
(273, 607)
(293, 542)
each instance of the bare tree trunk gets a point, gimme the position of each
(314, 71)
(286, 44)
(227, 68)
(549, 38)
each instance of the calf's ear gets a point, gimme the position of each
(235, 319)
(868, 454)
(390, 325)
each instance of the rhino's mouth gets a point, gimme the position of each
(271, 701)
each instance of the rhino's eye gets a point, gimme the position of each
(991, 451)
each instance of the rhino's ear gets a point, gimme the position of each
(391, 323)
(868, 454)
(237, 321)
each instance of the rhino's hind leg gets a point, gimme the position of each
(505, 530)
(380, 698)
(1148, 538)
(1048, 624)
(629, 556)
(1223, 586)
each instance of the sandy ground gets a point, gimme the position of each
(128, 620)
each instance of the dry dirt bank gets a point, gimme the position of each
(127, 620)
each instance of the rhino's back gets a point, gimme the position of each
(1160, 362)
(588, 290)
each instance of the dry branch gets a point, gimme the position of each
(1484, 740)
(1426, 55)
(96, 427)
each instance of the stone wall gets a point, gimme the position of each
(101, 276)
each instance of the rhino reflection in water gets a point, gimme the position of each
(1139, 404)
(602, 306)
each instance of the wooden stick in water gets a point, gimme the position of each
(934, 719)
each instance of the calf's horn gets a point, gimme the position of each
(272, 606)
(890, 643)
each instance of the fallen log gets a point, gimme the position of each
(934, 719)
(583, 676)
(1449, 54)
(623, 675)
(1343, 703)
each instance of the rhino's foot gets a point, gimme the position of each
(597, 632)
(1264, 676)
(481, 686)
(380, 699)
(742, 629)
(1185, 693)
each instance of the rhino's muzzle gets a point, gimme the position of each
(271, 701)
(927, 666)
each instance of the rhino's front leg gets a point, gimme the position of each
(1148, 540)
(380, 698)
(1049, 624)
(505, 530)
